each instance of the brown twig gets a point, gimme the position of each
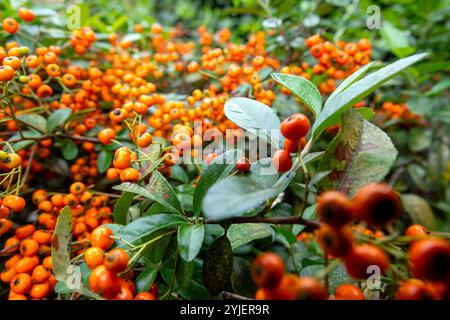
(61, 136)
(233, 296)
(270, 220)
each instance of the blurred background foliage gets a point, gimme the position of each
(407, 26)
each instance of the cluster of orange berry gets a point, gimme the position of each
(294, 129)
(428, 260)
(123, 158)
(274, 284)
(377, 205)
(401, 111)
(106, 268)
(82, 39)
(28, 272)
(88, 210)
(338, 60)
(11, 26)
(8, 163)
(85, 168)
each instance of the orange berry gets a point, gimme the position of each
(101, 237)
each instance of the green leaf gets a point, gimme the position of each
(355, 92)
(179, 174)
(263, 173)
(120, 212)
(61, 244)
(70, 275)
(255, 117)
(57, 118)
(396, 40)
(218, 266)
(236, 195)
(156, 208)
(104, 160)
(34, 120)
(419, 210)
(439, 87)
(25, 143)
(142, 229)
(69, 150)
(241, 278)
(310, 213)
(304, 89)
(366, 113)
(355, 76)
(190, 239)
(243, 233)
(313, 156)
(419, 139)
(217, 170)
(158, 189)
(145, 279)
(184, 273)
(119, 22)
(360, 154)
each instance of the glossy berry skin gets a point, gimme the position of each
(311, 289)
(106, 135)
(267, 270)
(6, 73)
(104, 282)
(116, 260)
(293, 287)
(377, 204)
(417, 230)
(29, 247)
(334, 208)
(287, 288)
(291, 146)
(144, 296)
(243, 165)
(295, 127)
(282, 161)
(348, 292)
(101, 237)
(363, 256)
(10, 25)
(40, 290)
(144, 140)
(263, 294)
(13, 202)
(430, 259)
(333, 241)
(21, 283)
(415, 289)
(94, 257)
(124, 294)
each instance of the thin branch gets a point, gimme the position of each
(27, 170)
(270, 220)
(233, 296)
